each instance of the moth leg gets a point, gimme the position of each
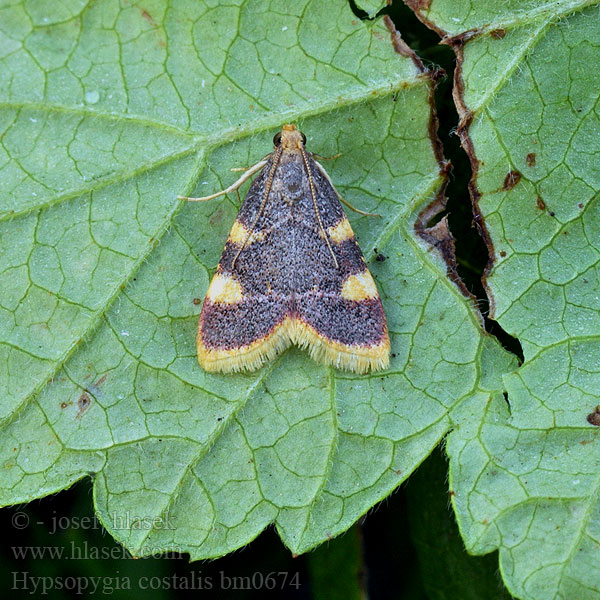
(339, 196)
(319, 157)
(356, 210)
(234, 186)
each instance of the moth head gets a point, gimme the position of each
(290, 138)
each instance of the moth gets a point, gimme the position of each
(291, 272)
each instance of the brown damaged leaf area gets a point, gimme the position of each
(418, 4)
(465, 119)
(438, 236)
(457, 43)
(442, 241)
(511, 180)
(401, 47)
(498, 34)
(83, 403)
(594, 417)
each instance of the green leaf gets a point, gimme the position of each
(371, 7)
(107, 113)
(527, 479)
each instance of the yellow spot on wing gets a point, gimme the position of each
(224, 289)
(359, 287)
(340, 232)
(239, 233)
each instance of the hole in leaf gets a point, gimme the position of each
(472, 254)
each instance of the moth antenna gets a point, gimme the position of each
(311, 184)
(262, 204)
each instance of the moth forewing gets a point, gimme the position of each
(291, 272)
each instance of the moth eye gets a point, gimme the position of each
(303, 139)
(277, 139)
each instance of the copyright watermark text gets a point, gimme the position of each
(116, 521)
